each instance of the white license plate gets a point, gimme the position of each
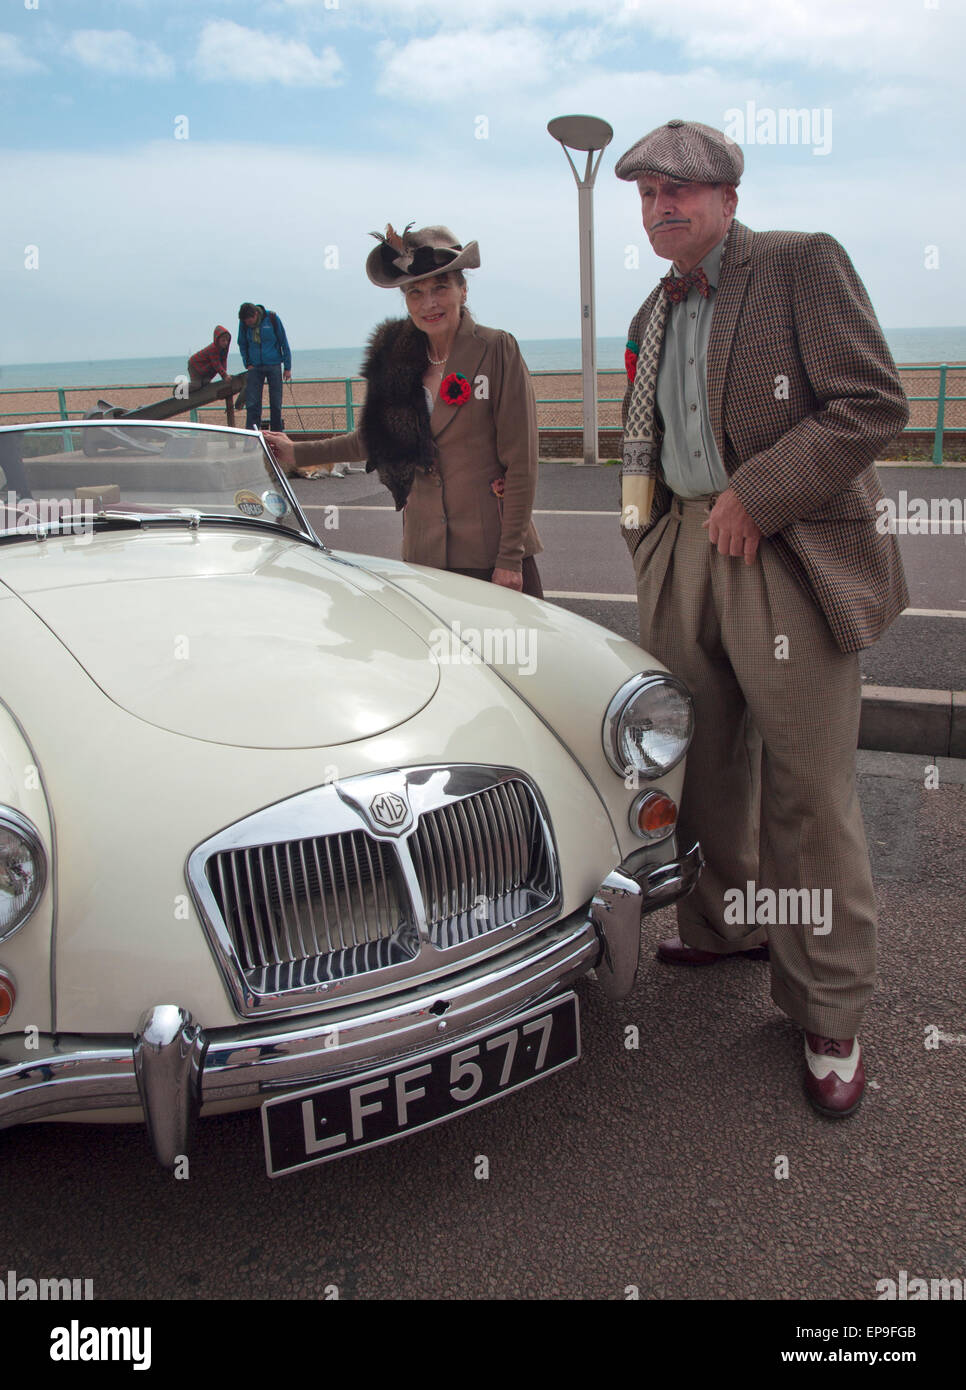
(371, 1108)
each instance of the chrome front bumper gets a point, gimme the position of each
(173, 1069)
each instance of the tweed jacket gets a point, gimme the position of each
(452, 518)
(802, 393)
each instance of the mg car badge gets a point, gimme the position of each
(388, 809)
(382, 800)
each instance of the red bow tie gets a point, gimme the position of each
(676, 287)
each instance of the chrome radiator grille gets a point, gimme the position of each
(311, 910)
(409, 864)
(481, 862)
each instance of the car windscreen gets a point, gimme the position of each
(120, 468)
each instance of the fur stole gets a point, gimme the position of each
(395, 419)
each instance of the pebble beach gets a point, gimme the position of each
(317, 405)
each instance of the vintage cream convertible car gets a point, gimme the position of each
(292, 828)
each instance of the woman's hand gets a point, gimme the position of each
(282, 448)
(510, 579)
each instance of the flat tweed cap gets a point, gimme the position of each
(685, 150)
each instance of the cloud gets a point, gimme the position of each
(127, 280)
(13, 60)
(453, 65)
(864, 35)
(411, 14)
(867, 35)
(116, 53)
(423, 71)
(227, 52)
(520, 61)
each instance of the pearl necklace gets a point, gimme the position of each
(441, 363)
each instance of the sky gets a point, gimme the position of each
(163, 160)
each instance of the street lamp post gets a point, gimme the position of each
(590, 134)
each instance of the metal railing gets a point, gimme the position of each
(941, 399)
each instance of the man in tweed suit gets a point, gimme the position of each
(763, 389)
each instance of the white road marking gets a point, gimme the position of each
(599, 598)
(368, 507)
(632, 598)
(934, 527)
(933, 613)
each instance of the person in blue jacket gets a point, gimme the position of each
(265, 352)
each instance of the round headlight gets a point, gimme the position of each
(648, 725)
(23, 870)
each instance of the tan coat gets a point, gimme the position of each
(453, 519)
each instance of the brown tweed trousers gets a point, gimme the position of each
(802, 392)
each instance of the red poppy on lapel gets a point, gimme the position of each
(455, 389)
(630, 360)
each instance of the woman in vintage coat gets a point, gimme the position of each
(449, 421)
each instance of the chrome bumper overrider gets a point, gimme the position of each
(172, 1068)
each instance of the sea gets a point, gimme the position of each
(908, 345)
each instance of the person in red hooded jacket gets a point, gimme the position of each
(211, 361)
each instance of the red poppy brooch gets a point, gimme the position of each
(630, 360)
(498, 487)
(454, 389)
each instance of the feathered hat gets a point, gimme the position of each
(401, 260)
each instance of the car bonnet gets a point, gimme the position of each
(253, 641)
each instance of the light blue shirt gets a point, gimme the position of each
(689, 455)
